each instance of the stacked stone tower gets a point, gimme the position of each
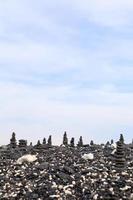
(121, 138)
(120, 154)
(65, 139)
(44, 141)
(50, 140)
(13, 142)
(91, 143)
(80, 142)
(38, 143)
(72, 142)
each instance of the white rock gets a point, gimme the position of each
(27, 158)
(125, 188)
(68, 192)
(54, 185)
(95, 196)
(54, 196)
(88, 156)
(114, 145)
(124, 173)
(60, 187)
(73, 182)
(113, 152)
(111, 189)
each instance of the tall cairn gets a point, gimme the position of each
(80, 142)
(65, 139)
(50, 140)
(121, 138)
(72, 142)
(120, 155)
(44, 141)
(13, 142)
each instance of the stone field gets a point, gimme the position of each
(66, 172)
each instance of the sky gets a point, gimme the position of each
(66, 66)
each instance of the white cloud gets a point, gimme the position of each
(107, 13)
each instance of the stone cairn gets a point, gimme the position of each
(91, 143)
(38, 143)
(50, 140)
(13, 143)
(44, 141)
(72, 142)
(121, 138)
(80, 142)
(65, 139)
(120, 154)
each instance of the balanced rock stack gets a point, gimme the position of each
(80, 142)
(13, 142)
(50, 140)
(120, 154)
(44, 141)
(72, 142)
(65, 139)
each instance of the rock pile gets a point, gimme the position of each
(63, 173)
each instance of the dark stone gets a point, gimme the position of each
(44, 165)
(68, 170)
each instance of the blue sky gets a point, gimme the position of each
(66, 65)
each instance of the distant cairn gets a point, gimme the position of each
(13, 143)
(120, 154)
(44, 141)
(80, 142)
(50, 140)
(65, 139)
(72, 142)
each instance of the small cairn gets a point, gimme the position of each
(120, 154)
(44, 141)
(92, 146)
(91, 143)
(80, 142)
(72, 142)
(38, 146)
(121, 138)
(65, 139)
(38, 143)
(50, 140)
(13, 143)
